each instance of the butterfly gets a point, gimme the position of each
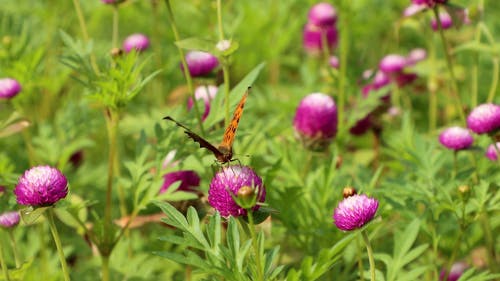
(224, 151)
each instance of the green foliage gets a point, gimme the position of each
(82, 99)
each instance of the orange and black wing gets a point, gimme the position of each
(230, 133)
(201, 141)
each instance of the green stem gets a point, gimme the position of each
(105, 268)
(432, 111)
(112, 118)
(490, 242)
(494, 82)
(370, 254)
(14, 247)
(255, 244)
(83, 27)
(360, 261)
(185, 68)
(225, 67)
(5, 270)
(57, 240)
(455, 164)
(454, 87)
(219, 20)
(344, 49)
(116, 21)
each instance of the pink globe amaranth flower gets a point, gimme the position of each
(416, 55)
(455, 272)
(354, 212)
(112, 1)
(403, 79)
(205, 93)
(334, 62)
(492, 151)
(41, 186)
(226, 184)
(315, 120)
(362, 126)
(322, 14)
(189, 180)
(456, 138)
(9, 88)
(446, 21)
(313, 38)
(429, 3)
(137, 41)
(414, 9)
(200, 63)
(392, 63)
(9, 219)
(485, 118)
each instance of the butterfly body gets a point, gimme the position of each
(224, 151)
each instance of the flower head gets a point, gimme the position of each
(189, 180)
(322, 14)
(41, 186)
(9, 219)
(445, 19)
(354, 212)
(485, 118)
(137, 41)
(456, 138)
(334, 62)
(455, 272)
(492, 151)
(416, 55)
(205, 93)
(392, 63)
(200, 63)
(226, 184)
(9, 88)
(429, 3)
(314, 36)
(315, 120)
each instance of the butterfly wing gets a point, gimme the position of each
(201, 141)
(229, 134)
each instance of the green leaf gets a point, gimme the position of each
(197, 44)
(235, 95)
(174, 217)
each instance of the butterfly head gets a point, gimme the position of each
(226, 153)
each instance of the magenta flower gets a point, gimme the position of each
(334, 62)
(492, 151)
(362, 126)
(189, 180)
(205, 93)
(314, 36)
(9, 219)
(429, 3)
(137, 41)
(110, 2)
(445, 19)
(485, 118)
(416, 55)
(354, 212)
(9, 88)
(455, 272)
(315, 120)
(322, 14)
(226, 184)
(41, 186)
(456, 138)
(200, 63)
(392, 63)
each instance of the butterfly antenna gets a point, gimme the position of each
(177, 123)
